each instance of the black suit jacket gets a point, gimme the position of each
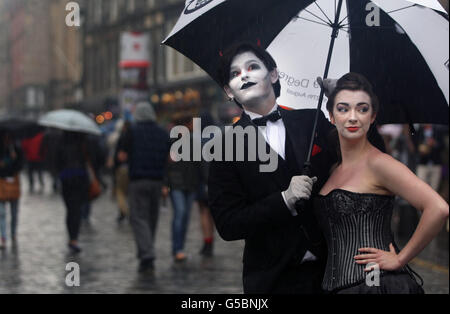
(247, 204)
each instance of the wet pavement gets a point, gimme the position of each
(108, 263)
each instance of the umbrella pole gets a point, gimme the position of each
(334, 34)
(300, 204)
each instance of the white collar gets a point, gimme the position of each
(254, 115)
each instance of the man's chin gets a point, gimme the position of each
(253, 102)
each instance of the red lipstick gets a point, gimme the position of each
(353, 128)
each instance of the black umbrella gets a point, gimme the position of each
(19, 127)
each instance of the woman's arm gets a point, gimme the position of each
(392, 175)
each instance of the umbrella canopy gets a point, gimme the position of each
(70, 120)
(400, 46)
(19, 127)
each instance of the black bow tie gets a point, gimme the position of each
(274, 116)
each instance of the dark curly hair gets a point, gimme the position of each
(353, 82)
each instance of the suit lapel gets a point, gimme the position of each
(295, 128)
(244, 122)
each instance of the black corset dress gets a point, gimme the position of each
(351, 221)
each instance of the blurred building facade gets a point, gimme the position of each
(174, 83)
(40, 57)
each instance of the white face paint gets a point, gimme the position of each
(250, 81)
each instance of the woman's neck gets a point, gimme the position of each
(354, 150)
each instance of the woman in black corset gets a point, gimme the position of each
(354, 207)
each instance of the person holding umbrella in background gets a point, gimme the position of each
(73, 161)
(11, 162)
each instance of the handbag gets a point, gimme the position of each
(94, 184)
(9, 188)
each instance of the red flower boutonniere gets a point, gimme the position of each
(316, 150)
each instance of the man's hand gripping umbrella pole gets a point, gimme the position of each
(300, 187)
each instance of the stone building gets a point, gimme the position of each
(40, 57)
(175, 84)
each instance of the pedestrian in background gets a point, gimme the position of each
(121, 178)
(11, 162)
(72, 160)
(145, 146)
(49, 149)
(206, 220)
(97, 157)
(183, 178)
(35, 160)
(430, 145)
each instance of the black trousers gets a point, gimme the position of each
(75, 193)
(304, 278)
(32, 168)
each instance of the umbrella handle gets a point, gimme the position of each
(300, 205)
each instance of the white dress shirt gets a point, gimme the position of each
(274, 132)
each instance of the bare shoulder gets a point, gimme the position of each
(382, 164)
(377, 159)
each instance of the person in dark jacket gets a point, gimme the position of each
(71, 164)
(11, 162)
(146, 147)
(183, 179)
(49, 149)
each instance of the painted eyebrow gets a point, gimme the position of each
(246, 63)
(348, 105)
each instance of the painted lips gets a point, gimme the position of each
(247, 85)
(353, 129)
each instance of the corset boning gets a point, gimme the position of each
(351, 221)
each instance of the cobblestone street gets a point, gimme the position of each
(108, 263)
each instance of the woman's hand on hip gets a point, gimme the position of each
(386, 260)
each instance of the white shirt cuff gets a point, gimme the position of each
(291, 208)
